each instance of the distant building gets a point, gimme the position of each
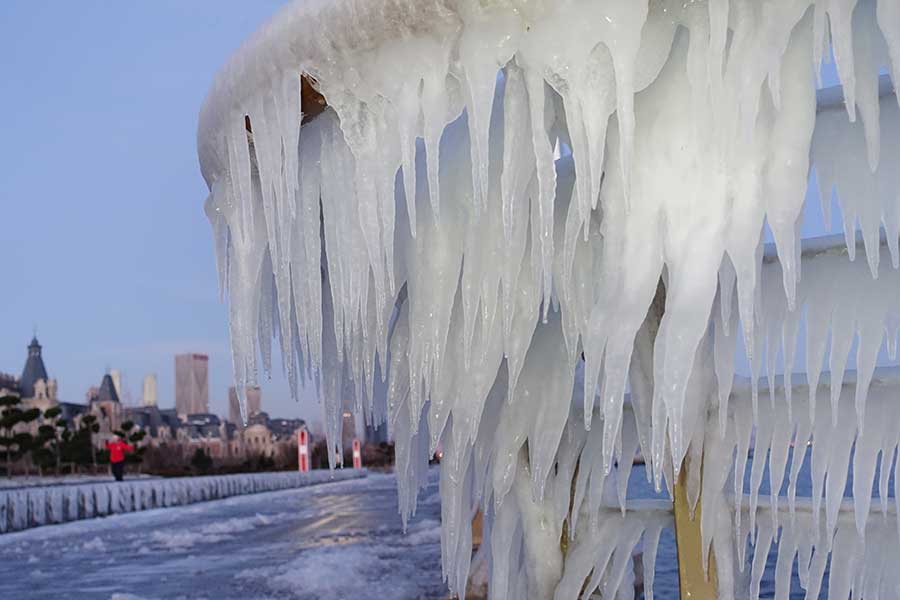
(116, 377)
(106, 406)
(182, 430)
(203, 424)
(253, 396)
(36, 389)
(149, 395)
(72, 412)
(162, 426)
(9, 385)
(191, 384)
(285, 429)
(271, 437)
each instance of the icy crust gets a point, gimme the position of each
(852, 529)
(495, 193)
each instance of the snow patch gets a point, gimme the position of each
(344, 572)
(95, 544)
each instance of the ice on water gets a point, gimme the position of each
(425, 254)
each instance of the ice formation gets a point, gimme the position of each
(514, 212)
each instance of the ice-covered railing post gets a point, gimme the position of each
(696, 568)
(467, 242)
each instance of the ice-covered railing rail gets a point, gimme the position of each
(850, 420)
(874, 443)
(857, 163)
(574, 534)
(600, 558)
(840, 307)
(858, 566)
(782, 441)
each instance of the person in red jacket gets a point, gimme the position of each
(117, 449)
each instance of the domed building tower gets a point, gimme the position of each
(105, 405)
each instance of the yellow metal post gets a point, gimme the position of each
(693, 582)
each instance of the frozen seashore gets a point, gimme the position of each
(336, 540)
(340, 540)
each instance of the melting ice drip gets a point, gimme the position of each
(422, 249)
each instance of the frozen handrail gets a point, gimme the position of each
(516, 262)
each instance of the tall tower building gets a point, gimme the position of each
(116, 376)
(36, 388)
(105, 401)
(149, 396)
(254, 403)
(191, 384)
(34, 370)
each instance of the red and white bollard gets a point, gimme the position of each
(303, 450)
(357, 455)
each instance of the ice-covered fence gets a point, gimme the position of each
(27, 481)
(36, 506)
(857, 535)
(476, 271)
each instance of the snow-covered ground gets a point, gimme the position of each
(336, 540)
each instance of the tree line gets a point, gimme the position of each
(43, 442)
(55, 446)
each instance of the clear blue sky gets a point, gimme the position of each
(103, 243)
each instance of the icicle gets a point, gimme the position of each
(840, 14)
(544, 392)
(888, 15)
(546, 176)
(724, 352)
(787, 170)
(486, 45)
(517, 163)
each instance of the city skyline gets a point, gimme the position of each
(121, 274)
(35, 368)
(150, 394)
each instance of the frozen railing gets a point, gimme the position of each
(36, 506)
(421, 231)
(813, 431)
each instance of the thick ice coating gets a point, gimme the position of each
(860, 539)
(515, 212)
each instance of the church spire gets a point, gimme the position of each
(34, 369)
